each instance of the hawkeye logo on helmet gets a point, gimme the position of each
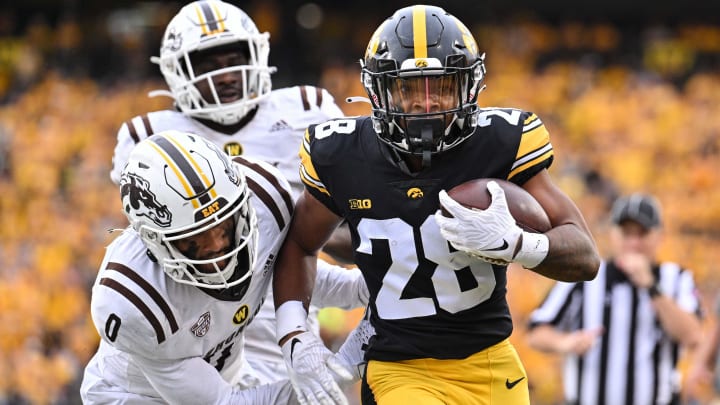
(421, 63)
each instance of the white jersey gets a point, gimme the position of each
(167, 342)
(170, 341)
(274, 134)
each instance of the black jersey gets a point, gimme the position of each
(427, 299)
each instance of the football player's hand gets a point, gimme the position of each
(352, 352)
(490, 234)
(311, 366)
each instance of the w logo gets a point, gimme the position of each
(136, 196)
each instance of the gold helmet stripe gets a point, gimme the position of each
(186, 169)
(208, 183)
(419, 32)
(209, 18)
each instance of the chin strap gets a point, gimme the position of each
(426, 136)
(420, 132)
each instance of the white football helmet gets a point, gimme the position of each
(204, 25)
(177, 185)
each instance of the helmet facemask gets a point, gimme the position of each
(208, 273)
(190, 205)
(424, 106)
(214, 27)
(254, 82)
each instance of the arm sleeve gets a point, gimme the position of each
(336, 286)
(687, 294)
(194, 380)
(124, 145)
(556, 307)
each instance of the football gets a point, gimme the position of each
(528, 213)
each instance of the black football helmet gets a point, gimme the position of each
(422, 72)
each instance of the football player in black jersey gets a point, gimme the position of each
(437, 284)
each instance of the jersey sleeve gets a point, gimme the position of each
(336, 286)
(129, 314)
(558, 308)
(129, 134)
(309, 166)
(534, 153)
(682, 284)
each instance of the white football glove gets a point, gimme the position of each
(309, 365)
(352, 352)
(491, 234)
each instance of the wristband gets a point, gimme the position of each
(291, 316)
(653, 290)
(533, 251)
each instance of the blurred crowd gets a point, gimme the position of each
(627, 108)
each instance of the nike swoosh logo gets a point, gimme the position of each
(509, 385)
(503, 247)
(292, 346)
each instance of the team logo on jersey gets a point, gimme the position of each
(241, 315)
(415, 193)
(136, 195)
(358, 204)
(202, 325)
(233, 149)
(279, 126)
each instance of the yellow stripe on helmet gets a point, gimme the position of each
(195, 165)
(419, 32)
(178, 173)
(218, 18)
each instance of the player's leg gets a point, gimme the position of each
(494, 376)
(509, 379)
(402, 382)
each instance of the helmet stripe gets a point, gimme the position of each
(207, 183)
(419, 32)
(208, 20)
(187, 171)
(178, 173)
(218, 17)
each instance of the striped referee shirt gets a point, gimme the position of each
(634, 361)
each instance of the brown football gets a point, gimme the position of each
(528, 213)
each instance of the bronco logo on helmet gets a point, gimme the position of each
(136, 195)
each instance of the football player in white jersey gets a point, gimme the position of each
(215, 63)
(178, 287)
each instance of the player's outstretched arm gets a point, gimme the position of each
(310, 364)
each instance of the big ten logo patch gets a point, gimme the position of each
(360, 204)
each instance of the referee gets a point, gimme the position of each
(621, 332)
